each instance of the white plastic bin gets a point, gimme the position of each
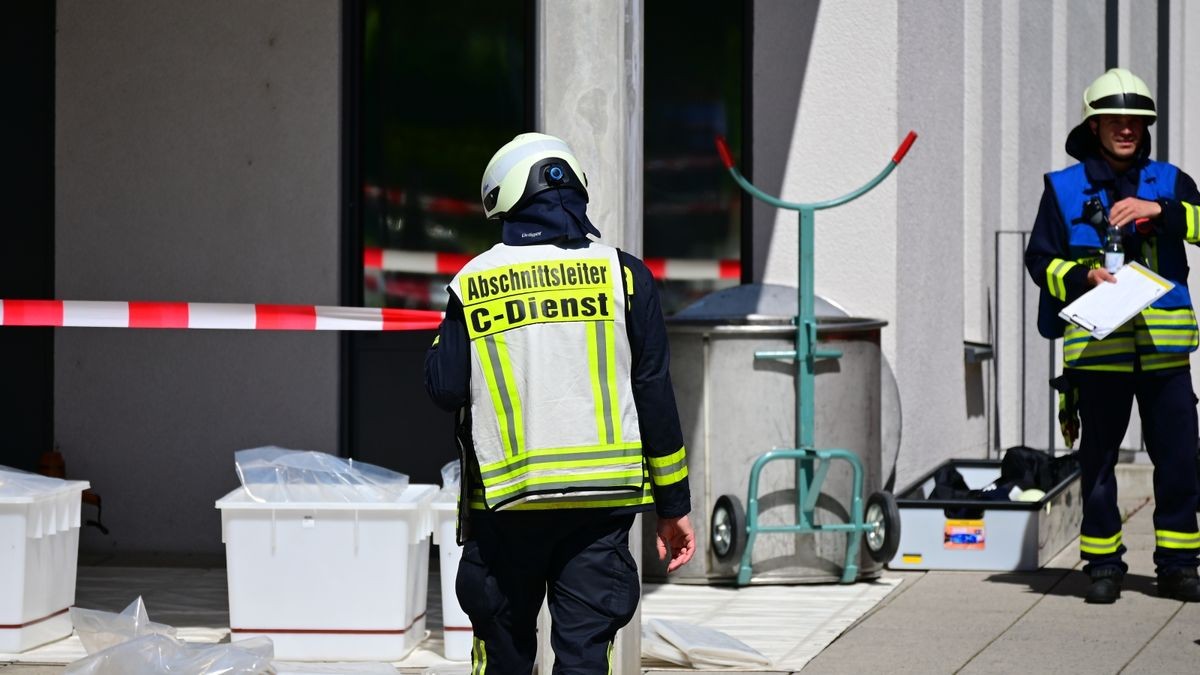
(39, 555)
(329, 581)
(457, 626)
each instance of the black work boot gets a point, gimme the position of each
(1106, 586)
(1182, 584)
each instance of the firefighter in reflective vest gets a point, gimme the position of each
(1116, 182)
(554, 353)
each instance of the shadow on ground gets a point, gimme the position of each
(1070, 582)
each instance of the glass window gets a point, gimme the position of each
(693, 91)
(443, 85)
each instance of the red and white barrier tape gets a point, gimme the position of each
(424, 262)
(210, 315)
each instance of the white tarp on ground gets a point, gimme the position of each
(788, 624)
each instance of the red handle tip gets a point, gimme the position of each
(723, 151)
(903, 149)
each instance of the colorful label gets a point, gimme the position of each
(964, 534)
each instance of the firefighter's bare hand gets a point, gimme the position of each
(675, 538)
(1099, 275)
(1132, 209)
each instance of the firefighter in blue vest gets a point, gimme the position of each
(554, 353)
(1116, 184)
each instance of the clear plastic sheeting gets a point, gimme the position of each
(273, 474)
(153, 654)
(17, 484)
(451, 475)
(696, 646)
(99, 630)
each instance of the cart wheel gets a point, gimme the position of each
(727, 531)
(882, 517)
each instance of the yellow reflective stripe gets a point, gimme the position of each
(663, 480)
(1126, 367)
(1115, 342)
(601, 479)
(602, 348)
(478, 657)
(1100, 545)
(628, 280)
(663, 462)
(546, 452)
(493, 353)
(594, 372)
(610, 370)
(670, 469)
(1164, 361)
(484, 348)
(1192, 233)
(1108, 347)
(514, 396)
(436, 339)
(619, 462)
(1056, 274)
(570, 501)
(1177, 540)
(580, 503)
(610, 653)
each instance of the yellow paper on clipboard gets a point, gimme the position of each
(1108, 306)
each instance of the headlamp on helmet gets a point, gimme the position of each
(525, 166)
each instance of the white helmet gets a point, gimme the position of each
(523, 167)
(1119, 92)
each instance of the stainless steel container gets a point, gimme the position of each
(734, 408)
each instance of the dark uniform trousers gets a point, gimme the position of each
(1168, 410)
(579, 558)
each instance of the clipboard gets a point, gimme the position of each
(1108, 306)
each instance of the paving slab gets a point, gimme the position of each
(942, 621)
(1177, 642)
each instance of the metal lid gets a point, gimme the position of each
(753, 304)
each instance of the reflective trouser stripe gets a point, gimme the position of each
(493, 354)
(478, 657)
(670, 469)
(601, 347)
(1193, 222)
(610, 653)
(1056, 274)
(1178, 540)
(1100, 545)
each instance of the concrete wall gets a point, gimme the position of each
(196, 159)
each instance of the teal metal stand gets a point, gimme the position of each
(812, 464)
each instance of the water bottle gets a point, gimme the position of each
(1114, 251)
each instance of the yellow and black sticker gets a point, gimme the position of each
(547, 291)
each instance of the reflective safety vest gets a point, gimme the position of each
(1162, 335)
(553, 416)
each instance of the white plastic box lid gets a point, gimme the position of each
(21, 487)
(50, 505)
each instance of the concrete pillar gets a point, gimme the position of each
(589, 92)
